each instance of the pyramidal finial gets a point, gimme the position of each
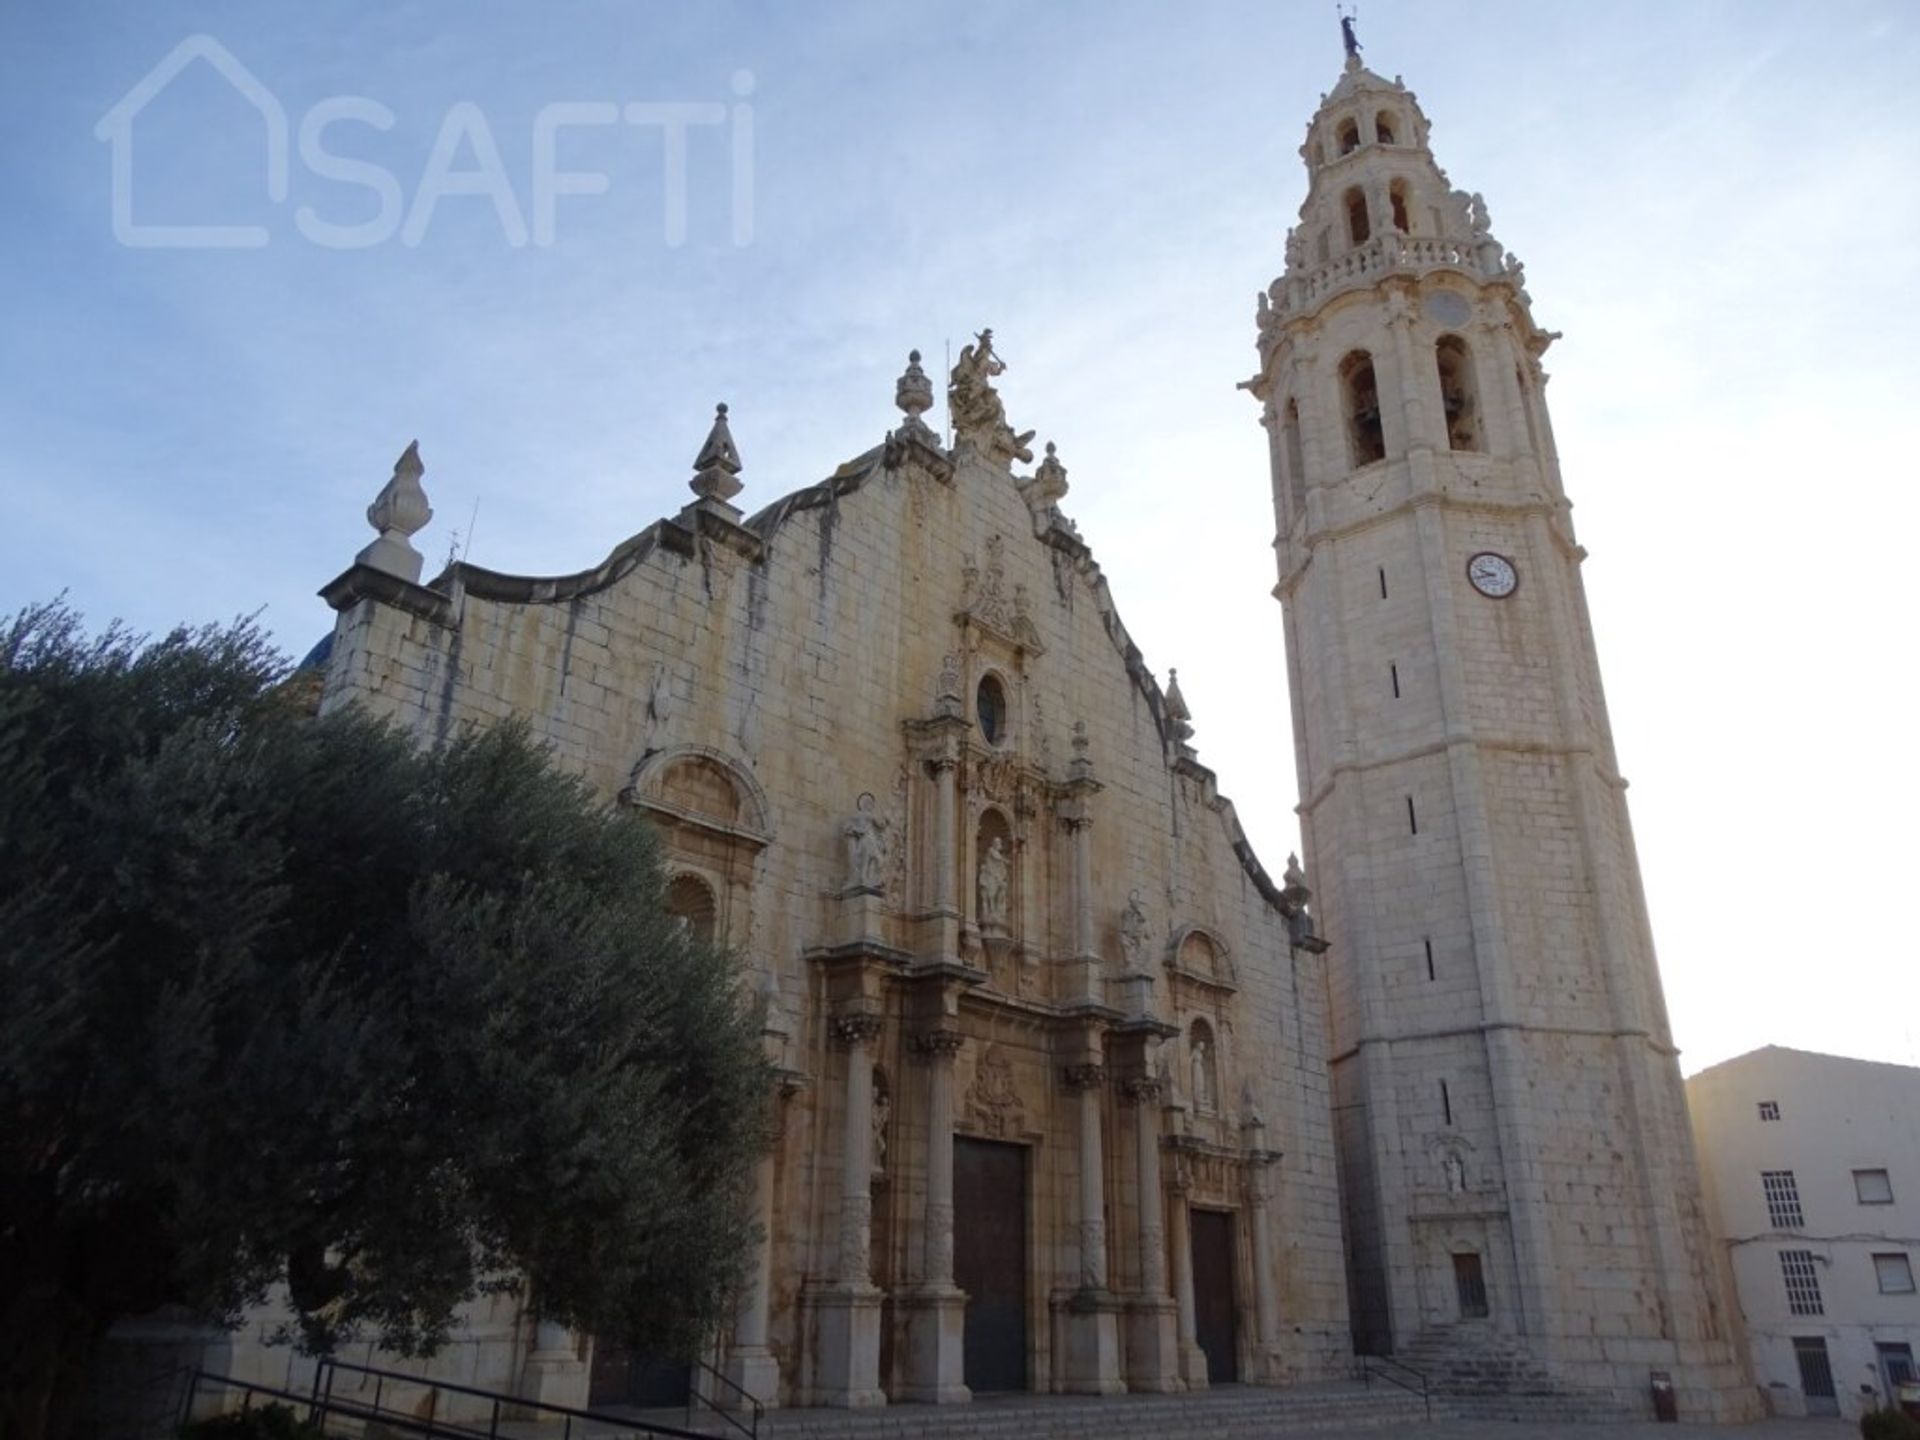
(716, 468)
(1049, 483)
(1178, 714)
(398, 512)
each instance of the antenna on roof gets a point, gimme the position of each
(466, 546)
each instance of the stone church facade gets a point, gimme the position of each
(1020, 968)
(1073, 1098)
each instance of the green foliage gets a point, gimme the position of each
(285, 998)
(269, 1422)
(1889, 1425)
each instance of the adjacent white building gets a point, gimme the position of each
(1811, 1166)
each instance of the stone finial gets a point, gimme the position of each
(398, 512)
(716, 469)
(1294, 883)
(913, 393)
(1178, 715)
(946, 698)
(1049, 483)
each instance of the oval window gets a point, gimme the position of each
(990, 704)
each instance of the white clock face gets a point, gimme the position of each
(1492, 575)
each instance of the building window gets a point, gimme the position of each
(1349, 138)
(1397, 199)
(1872, 1187)
(1783, 1200)
(990, 704)
(1366, 441)
(1358, 227)
(1296, 461)
(1895, 1274)
(1455, 364)
(1769, 1109)
(1803, 1285)
(1383, 128)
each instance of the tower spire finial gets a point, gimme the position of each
(1347, 37)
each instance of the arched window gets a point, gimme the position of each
(1457, 398)
(1383, 127)
(1349, 137)
(1360, 398)
(1203, 1069)
(1357, 227)
(690, 903)
(1295, 462)
(1397, 193)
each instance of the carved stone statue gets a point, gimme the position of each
(995, 874)
(975, 405)
(865, 834)
(1477, 218)
(1296, 248)
(659, 693)
(1200, 1066)
(1455, 1171)
(1133, 935)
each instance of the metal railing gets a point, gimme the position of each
(1394, 1372)
(326, 1401)
(748, 1405)
(500, 1406)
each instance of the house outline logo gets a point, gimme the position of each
(116, 129)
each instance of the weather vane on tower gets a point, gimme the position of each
(1348, 14)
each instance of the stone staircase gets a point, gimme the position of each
(1476, 1372)
(1233, 1412)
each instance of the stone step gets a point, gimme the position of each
(1227, 1413)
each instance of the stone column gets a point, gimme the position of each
(946, 863)
(1193, 1360)
(750, 1361)
(1153, 1357)
(1266, 1302)
(1092, 1320)
(846, 1360)
(936, 1308)
(555, 1373)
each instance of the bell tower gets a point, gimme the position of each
(1515, 1159)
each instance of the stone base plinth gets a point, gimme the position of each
(1086, 1327)
(862, 920)
(1153, 1347)
(935, 1357)
(1193, 1366)
(755, 1370)
(844, 1325)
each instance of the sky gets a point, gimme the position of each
(1715, 203)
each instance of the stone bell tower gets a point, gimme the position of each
(1516, 1166)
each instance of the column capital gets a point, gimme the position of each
(1142, 1089)
(939, 1044)
(857, 1028)
(1090, 1076)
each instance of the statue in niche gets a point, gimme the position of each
(1133, 935)
(865, 834)
(1454, 1171)
(1200, 1066)
(882, 1114)
(995, 874)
